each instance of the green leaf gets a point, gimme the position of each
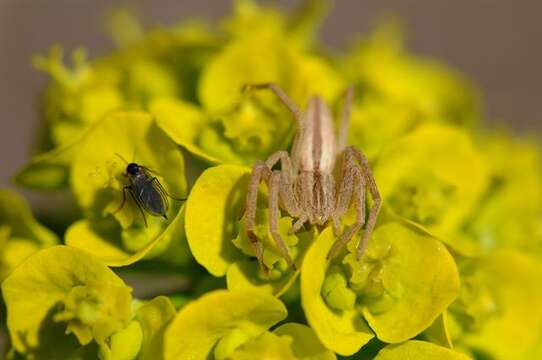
(399, 298)
(211, 211)
(97, 182)
(20, 234)
(305, 343)
(440, 194)
(236, 317)
(341, 331)
(154, 318)
(419, 350)
(63, 289)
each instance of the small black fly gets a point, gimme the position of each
(146, 191)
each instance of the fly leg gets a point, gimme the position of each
(127, 187)
(138, 206)
(131, 190)
(159, 186)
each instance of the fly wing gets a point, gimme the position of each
(163, 193)
(152, 199)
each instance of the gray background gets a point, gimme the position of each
(497, 43)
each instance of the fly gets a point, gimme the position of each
(146, 191)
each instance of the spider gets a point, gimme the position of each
(308, 186)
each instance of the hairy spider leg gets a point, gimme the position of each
(274, 188)
(260, 172)
(352, 189)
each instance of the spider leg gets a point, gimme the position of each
(347, 108)
(298, 224)
(359, 196)
(274, 188)
(260, 172)
(344, 192)
(371, 184)
(286, 174)
(292, 107)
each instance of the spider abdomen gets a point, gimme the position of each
(316, 143)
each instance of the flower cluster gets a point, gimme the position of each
(452, 270)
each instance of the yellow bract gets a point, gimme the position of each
(20, 234)
(436, 177)
(214, 203)
(341, 331)
(98, 179)
(94, 302)
(400, 297)
(154, 318)
(240, 316)
(418, 350)
(507, 298)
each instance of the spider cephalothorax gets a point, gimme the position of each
(307, 186)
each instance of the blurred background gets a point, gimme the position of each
(496, 43)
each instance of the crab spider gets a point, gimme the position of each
(307, 186)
